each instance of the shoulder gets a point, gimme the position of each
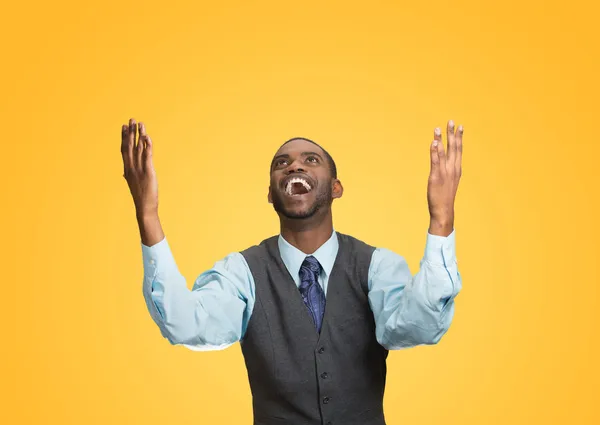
(378, 258)
(355, 244)
(356, 252)
(260, 250)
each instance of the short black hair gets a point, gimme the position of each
(330, 160)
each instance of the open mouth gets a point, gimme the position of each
(297, 186)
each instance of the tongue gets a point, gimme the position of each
(298, 189)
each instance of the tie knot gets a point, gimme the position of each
(312, 264)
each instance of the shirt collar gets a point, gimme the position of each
(292, 257)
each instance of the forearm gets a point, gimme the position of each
(168, 298)
(420, 313)
(209, 316)
(151, 231)
(412, 310)
(442, 226)
(171, 304)
(201, 318)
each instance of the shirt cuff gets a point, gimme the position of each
(440, 250)
(157, 257)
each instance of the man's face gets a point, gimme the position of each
(301, 181)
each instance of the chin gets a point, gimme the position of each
(299, 210)
(295, 213)
(298, 213)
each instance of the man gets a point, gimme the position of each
(315, 310)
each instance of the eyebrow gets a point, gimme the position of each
(285, 155)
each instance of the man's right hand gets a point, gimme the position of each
(139, 169)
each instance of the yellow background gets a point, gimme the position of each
(220, 85)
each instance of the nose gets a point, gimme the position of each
(295, 167)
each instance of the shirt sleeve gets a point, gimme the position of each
(414, 310)
(212, 315)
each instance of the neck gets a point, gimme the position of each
(307, 234)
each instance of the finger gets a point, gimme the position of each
(435, 158)
(451, 141)
(140, 144)
(132, 133)
(437, 136)
(147, 155)
(126, 148)
(143, 137)
(458, 139)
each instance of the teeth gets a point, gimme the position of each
(288, 187)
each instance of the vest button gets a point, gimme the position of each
(324, 375)
(321, 350)
(325, 400)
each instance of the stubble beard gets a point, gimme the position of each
(323, 199)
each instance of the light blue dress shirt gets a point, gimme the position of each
(408, 310)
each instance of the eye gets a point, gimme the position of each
(280, 162)
(311, 158)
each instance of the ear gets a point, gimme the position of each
(269, 197)
(337, 190)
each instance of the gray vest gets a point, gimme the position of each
(298, 376)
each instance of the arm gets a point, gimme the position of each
(213, 315)
(417, 310)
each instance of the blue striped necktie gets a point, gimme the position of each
(311, 290)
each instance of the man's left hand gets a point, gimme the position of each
(443, 179)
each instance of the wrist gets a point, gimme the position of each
(151, 231)
(145, 215)
(441, 226)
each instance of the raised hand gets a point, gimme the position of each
(444, 176)
(138, 168)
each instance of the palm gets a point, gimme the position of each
(445, 172)
(138, 167)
